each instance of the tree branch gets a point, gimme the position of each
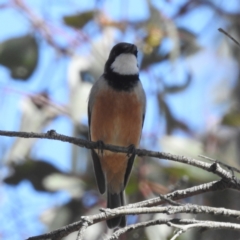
(185, 193)
(203, 224)
(144, 207)
(110, 213)
(228, 35)
(52, 134)
(177, 223)
(41, 26)
(86, 223)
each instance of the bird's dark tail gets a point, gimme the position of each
(113, 201)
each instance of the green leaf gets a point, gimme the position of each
(33, 171)
(20, 55)
(79, 20)
(231, 119)
(152, 58)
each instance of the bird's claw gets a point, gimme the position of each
(100, 146)
(131, 150)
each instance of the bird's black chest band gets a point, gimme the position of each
(121, 82)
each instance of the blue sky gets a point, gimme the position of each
(20, 206)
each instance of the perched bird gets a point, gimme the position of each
(116, 111)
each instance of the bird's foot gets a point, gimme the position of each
(131, 150)
(100, 146)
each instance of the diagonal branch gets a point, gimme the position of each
(110, 213)
(221, 163)
(41, 26)
(176, 195)
(228, 35)
(203, 224)
(85, 224)
(227, 181)
(185, 193)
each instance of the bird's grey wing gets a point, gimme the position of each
(100, 179)
(131, 159)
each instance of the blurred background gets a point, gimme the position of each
(51, 52)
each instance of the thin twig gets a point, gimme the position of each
(39, 24)
(219, 162)
(83, 228)
(185, 193)
(204, 224)
(228, 35)
(131, 227)
(177, 234)
(170, 201)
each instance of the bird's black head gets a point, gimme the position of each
(122, 59)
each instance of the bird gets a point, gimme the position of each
(116, 112)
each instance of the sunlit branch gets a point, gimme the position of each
(52, 134)
(227, 181)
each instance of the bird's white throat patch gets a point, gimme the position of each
(125, 64)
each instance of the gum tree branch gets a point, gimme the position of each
(185, 193)
(107, 214)
(52, 134)
(203, 224)
(176, 195)
(145, 207)
(187, 208)
(182, 224)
